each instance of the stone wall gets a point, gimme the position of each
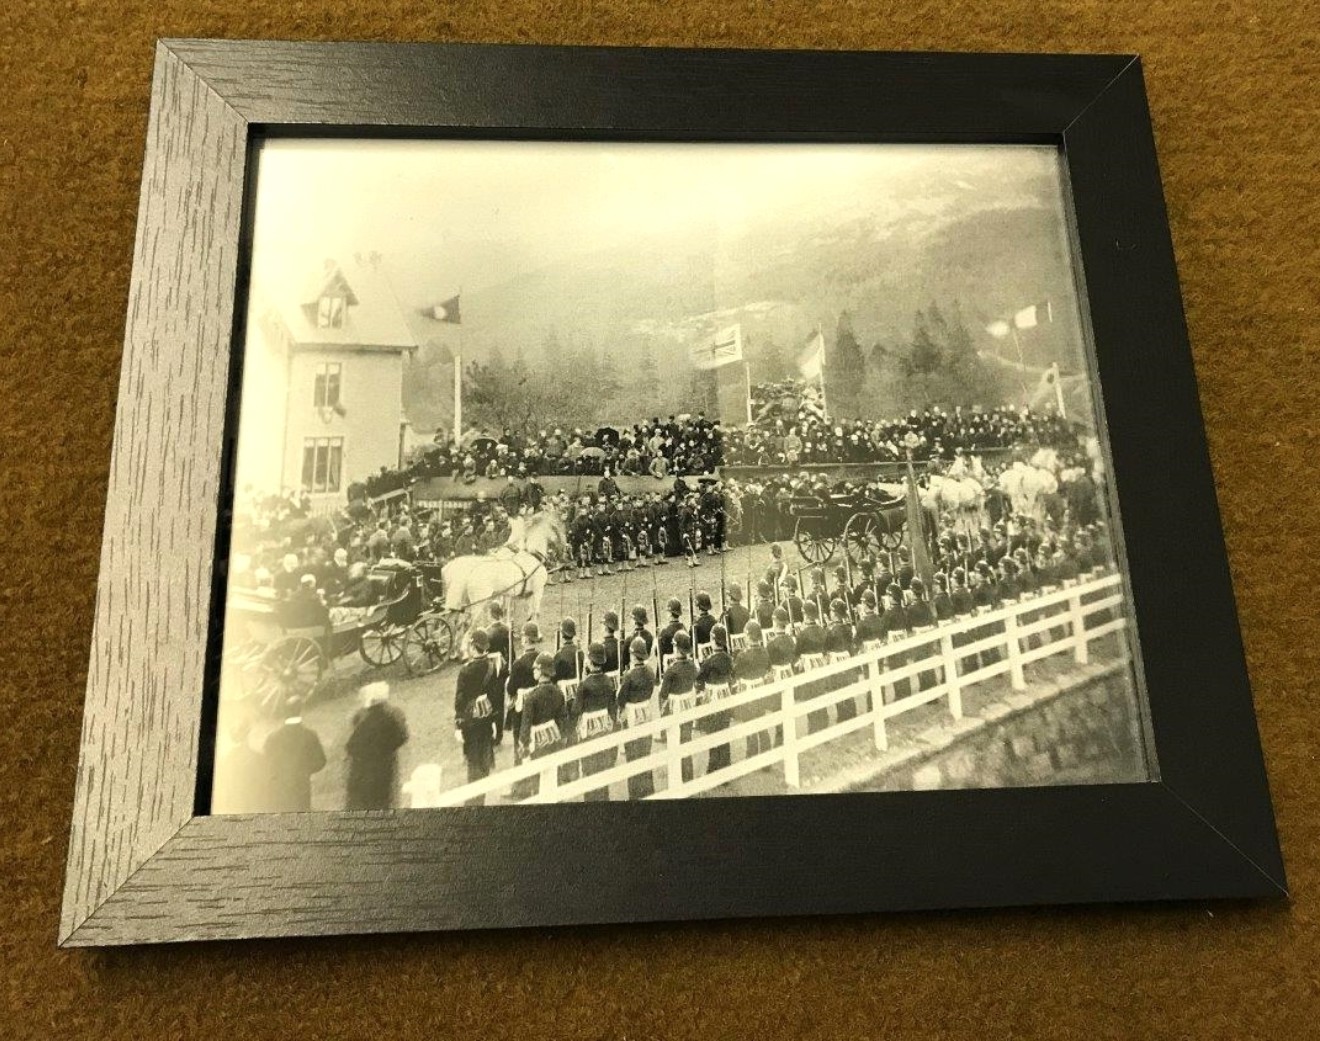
(1087, 734)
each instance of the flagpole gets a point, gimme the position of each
(747, 373)
(824, 402)
(1022, 364)
(458, 383)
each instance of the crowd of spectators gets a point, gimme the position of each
(789, 427)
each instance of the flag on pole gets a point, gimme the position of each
(921, 564)
(724, 348)
(1030, 317)
(1027, 318)
(446, 311)
(811, 363)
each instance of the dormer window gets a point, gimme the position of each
(330, 312)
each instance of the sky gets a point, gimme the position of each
(468, 214)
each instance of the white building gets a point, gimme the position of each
(322, 402)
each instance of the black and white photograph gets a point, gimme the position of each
(602, 471)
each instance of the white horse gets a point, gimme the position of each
(516, 571)
(959, 494)
(1028, 488)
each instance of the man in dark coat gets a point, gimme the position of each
(736, 616)
(293, 754)
(379, 731)
(713, 679)
(675, 626)
(634, 710)
(475, 693)
(543, 717)
(750, 669)
(599, 713)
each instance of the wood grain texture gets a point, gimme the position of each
(1232, 88)
(141, 870)
(138, 759)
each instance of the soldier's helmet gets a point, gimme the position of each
(545, 666)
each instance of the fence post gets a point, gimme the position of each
(549, 783)
(674, 760)
(1081, 651)
(791, 776)
(951, 680)
(1015, 674)
(877, 704)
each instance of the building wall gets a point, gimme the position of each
(371, 393)
(261, 411)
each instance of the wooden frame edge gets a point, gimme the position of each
(139, 743)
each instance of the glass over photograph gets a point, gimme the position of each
(604, 471)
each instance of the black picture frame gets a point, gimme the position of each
(144, 866)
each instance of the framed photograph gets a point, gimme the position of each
(577, 485)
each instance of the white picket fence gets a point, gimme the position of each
(1037, 627)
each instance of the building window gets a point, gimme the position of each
(330, 312)
(325, 393)
(323, 463)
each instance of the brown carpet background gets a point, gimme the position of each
(1233, 90)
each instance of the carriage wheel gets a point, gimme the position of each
(427, 646)
(816, 549)
(290, 669)
(891, 540)
(382, 644)
(861, 538)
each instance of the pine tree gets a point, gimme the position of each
(845, 368)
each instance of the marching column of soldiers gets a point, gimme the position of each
(609, 532)
(625, 679)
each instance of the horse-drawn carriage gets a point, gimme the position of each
(276, 650)
(861, 523)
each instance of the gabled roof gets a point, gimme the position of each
(372, 317)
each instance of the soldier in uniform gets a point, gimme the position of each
(736, 616)
(678, 690)
(640, 631)
(870, 626)
(635, 692)
(522, 678)
(568, 659)
(611, 642)
(781, 647)
(581, 536)
(543, 717)
(714, 680)
(674, 608)
(765, 605)
(704, 622)
(750, 668)
(475, 693)
(941, 603)
(792, 601)
(597, 698)
(603, 535)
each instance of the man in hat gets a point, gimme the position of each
(379, 731)
(543, 718)
(597, 699)
(792, 601)
(704, 622)
(640, 631)
(736, 616)
(635, 692)
(476, 690)
(714, 680)
(765, 605)
(611, 641)
(675, 610)
(678, 690)
(293, 755)
(568, 659)
(781, 647)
